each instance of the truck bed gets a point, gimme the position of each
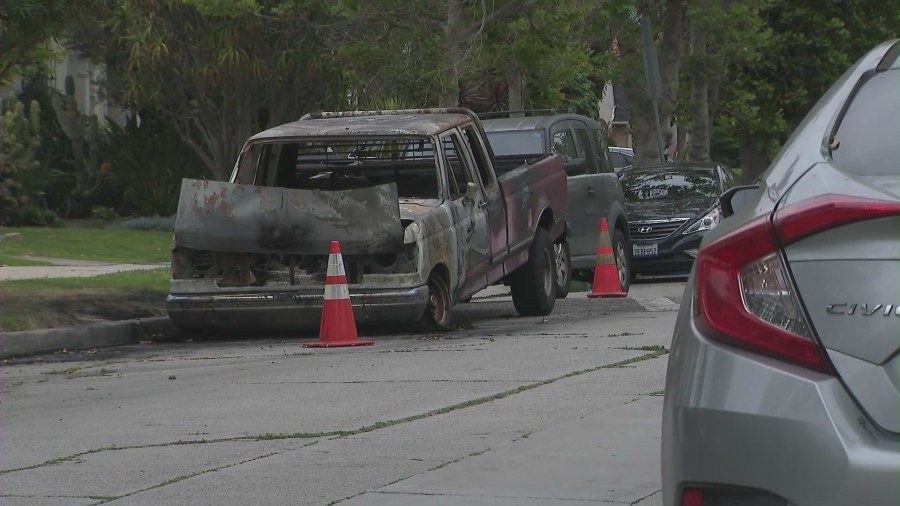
(529, 189)
(507, 163)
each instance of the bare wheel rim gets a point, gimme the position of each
(621, 263)
(562, 267)
(548, 271)
(437, 300)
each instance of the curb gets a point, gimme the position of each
(123, 332)
(94, 335)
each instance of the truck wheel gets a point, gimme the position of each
(563, 268)
(438, 313)
(622, 250)
(533, 285)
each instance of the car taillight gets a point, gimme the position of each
(712, 495)
(692, 497)
(744, 292)
(820, 213)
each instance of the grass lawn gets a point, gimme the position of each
(111, 245)
(19, 262)
(49, 303)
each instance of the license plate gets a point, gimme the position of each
(645, 250)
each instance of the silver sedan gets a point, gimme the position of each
(783, 385)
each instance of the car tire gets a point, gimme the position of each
(533, 285)
(622, 254)
(438, 311)
(563, 268)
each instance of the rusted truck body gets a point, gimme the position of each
(423, 218)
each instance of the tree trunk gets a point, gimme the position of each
(670, 51)
(454, 47)
(515, 82)
(700, 70)
(754, 161)
(643, 129)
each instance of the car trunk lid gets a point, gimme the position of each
(848, 278)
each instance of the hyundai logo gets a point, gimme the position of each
(645, 230)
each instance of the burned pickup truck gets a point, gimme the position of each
(424, 217)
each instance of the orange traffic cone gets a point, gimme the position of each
(338, 327)
(606, 276)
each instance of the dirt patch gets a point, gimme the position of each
(35, 310)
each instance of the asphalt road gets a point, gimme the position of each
(506, 411)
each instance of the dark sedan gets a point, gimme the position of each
(670, 207)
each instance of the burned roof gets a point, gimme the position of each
(413, 122)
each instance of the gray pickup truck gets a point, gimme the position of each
(424, 216)
(594, 189)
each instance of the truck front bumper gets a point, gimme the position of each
(287, 310)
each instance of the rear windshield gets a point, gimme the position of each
(345, 164)
(869, 133)
(669, 185)
(520, 142)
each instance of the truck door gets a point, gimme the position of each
(470, 216)
(585, 196)
(614, 202)
(493, 198)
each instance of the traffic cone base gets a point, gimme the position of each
(338, 327)
(606, 275)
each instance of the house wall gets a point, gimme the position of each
(620, 136)
(607, 107)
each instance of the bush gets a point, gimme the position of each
(103, 213)
(34, 217)
(165, 224)
(52, 181)
(147, 162)
(19, 145)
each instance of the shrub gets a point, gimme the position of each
(52, 181)
(147, 162)
(32, 216)
(20, 144)
(103, 213)
(163, 223)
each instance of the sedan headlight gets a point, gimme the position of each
(707, 222)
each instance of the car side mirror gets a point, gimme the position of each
(471, 192)
(735, 198)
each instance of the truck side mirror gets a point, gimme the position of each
(471, 192)
(735, 198)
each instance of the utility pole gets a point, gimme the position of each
(654, 86)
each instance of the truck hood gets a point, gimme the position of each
(220, 216)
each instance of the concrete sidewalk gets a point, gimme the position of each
(69, 268)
